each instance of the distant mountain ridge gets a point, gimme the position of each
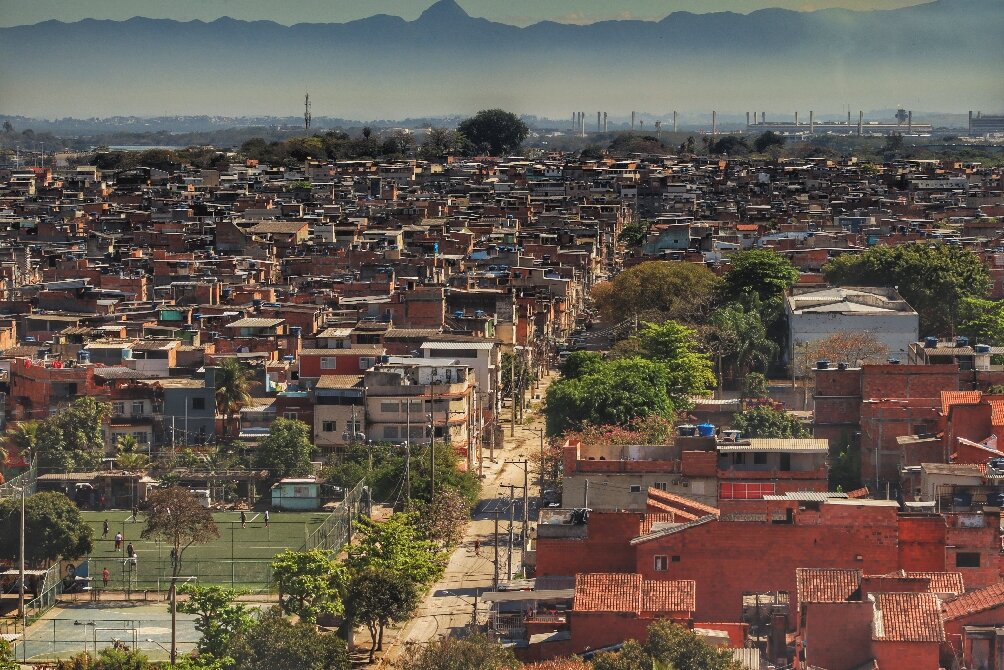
(947, 51)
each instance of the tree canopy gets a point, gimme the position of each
(668, 645)
(760, 271)
(397, 545)
(73, 438)
(494, 131)
(658, 291)
(934, 279)
(478, 651)
(286, 451)
(175, 516)
(219, 617)
(309, 582)
(273, 642)
(766, 140)
(765, 421)
(377, 597)
(53, 529)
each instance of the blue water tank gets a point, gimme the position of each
(458, 314)
(961, 341)
(982, 348)
(705, 430)
(83, 356)
(295, 331)
(930, 342)
(256, 303)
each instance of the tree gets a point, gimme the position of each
(740, 339)
(893, 143)
(494, 131)
(515, 370)
(935, 279)
(443, 521)
(397, 545)
(129, 456)
(175, 516)
(8, 127)
(765, 421)
(633, 234)
(760, 271)
(689, 371)
(580, 363)
(674, 646)
(7, 659)
(658, 291)
(116, 657)
(766, 140)
(845, 470)
(22, 439)
(443, 142)
(287, 449)
(310, 583)
(274, 643)
(219, 617)
(73, 438)
(982, 320)
(472, 652)
(849, 346)
(620, 391)
(755, 386)
(729, 144)
(53, 529)
(233, 383)
(378, 596)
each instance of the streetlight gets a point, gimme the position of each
(21, 611)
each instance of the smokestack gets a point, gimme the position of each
(796, 118)
(861, 121)
(747, 119)
(604, 122)
(582, 123)
(909, 122)
(812, 123)
(714, 122)
(674, 120)
(970, 122)
(598, 126)
(574, 115)
(848, 118)
(632, 120)
(763, 118)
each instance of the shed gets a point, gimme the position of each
(296, 494)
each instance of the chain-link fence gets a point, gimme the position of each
(336, 531)
(27, 479)
(129, 577)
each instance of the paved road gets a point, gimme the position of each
(449, 606)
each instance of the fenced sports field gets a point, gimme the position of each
(240, 557)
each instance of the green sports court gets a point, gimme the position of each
(241, 556)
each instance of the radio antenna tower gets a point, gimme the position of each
(306, 111)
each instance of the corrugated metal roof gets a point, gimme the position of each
(807, 496)
(662, 532)
(802, 444)
(452, 346)
(338, 381)
(255, 322)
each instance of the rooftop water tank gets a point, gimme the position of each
(706, 430)
(961, 341)
(823, 364)
(686, 430)
(982, 348)
(930, 342)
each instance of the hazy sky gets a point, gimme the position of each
(519, 12)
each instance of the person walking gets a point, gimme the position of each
(266, 518)
(477, 547)
(135, 512)
(130, 550)
(105, 576)
(244, 519)
(104, 529)
(118, 541)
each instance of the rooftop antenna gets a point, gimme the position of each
(306, 111)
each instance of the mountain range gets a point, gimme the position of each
(946, 54)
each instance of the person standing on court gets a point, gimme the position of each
(130, 550)
(105, 576)
(266, 518)
(244, 519)
(104, 530)
(118, 541)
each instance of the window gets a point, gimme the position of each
(662, 486)
(759, 458)
(118, 408)
(390, 432)
(739, 459)
(417, 431)
(329, 426)
(392, 407)
(198, 403)
(291, 415)
(675, 559)
(141, 437)
(137, 407)
(366, 362)
(661, 563)
(329, 362)
(967, 559)
(635, 488)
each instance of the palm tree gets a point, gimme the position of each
(232, 384)
(22, 439)
(741, 337)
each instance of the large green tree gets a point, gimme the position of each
(176, 517)
(397, 544)
(53, 529)
(760, 271)
(982, 320)
(73, 439)
(620, 391)
(218, 616)
(377, 597)
(740, 339)
(765, 421)
(658, 291)
(310, 583)
(286, 451)
(689, 370)
(275, 643)
(472, 652)
(935, 279)
(494, 131)
(668, 645)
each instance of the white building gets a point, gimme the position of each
(814, 314)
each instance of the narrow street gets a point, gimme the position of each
(449, 605)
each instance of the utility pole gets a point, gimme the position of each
(407, 457)
(524, 463)
(512, 391)
(21, 612)
(495, 579)
(512, 504)
(174, 618)
(585, 494)
(432, 438)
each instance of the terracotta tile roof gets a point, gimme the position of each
(942, 582)
(997, 412)
(858, 493)
(975, 601)
(653, 518)
(907, 617)
(607, 592)
(671, 502)
(949, 398)
(826, 585)
(669, 596)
